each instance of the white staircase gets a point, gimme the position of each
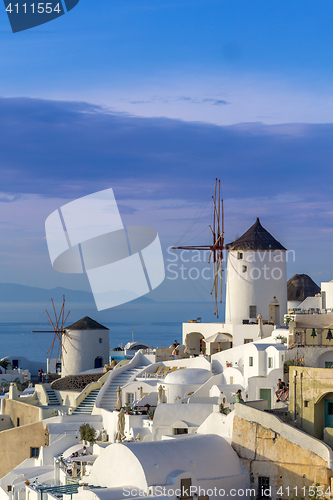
(108, 400)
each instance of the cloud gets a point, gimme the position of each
(69, 149)
(215, 102)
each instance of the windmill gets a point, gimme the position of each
(216, 247)
(58, 329)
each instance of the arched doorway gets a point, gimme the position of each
(194, 340)
(323, 414)
(98, 362)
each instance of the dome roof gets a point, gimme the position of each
(301, 286)
(86, 323)
(189, 376)
(207, 456)
(256, 238)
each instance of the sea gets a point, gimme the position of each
(25, 331)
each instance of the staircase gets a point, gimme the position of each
(87, 405)
(52, 397)
(109, 398)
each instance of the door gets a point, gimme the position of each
(266, 394)
(98, 362)
(328, 413)
(274, 314)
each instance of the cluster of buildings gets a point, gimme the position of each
(166, 424)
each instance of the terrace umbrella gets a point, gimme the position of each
(160, 395)
(120, 436)
(118, 404)
(260, 331)
(140, 393)
(218, 337)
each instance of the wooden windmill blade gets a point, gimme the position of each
(58, 329)
(217, 246)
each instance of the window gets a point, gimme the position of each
(248, 341)
(185, 487)
(34, 452)
(253, 311)
(329, 408)
(306, 404)
(231, 380)
(244, 269)
(270, 362)
(129, 397)
(282, 357)
(239, 255)
(328, 364)
(17, 422)
(263, 487)
(100, 340)
(251, 361)
(177, 431)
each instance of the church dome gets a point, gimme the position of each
(301, 286)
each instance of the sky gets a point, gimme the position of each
(156, 99)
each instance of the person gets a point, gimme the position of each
(238, 396)
(286, 392)
(113, 363)
(85, 451)
(280, 390)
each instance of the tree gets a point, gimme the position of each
(87, 433)
(5, 363)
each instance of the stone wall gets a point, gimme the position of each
(20, 413)
(75, 382)
(287, 456)
(309, 389)
(16, 445)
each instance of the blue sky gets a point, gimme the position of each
(157, 98)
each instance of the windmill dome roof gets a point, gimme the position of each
(256, 238)
(301, 286)
(86, 323)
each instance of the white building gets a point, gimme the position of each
(256, 278)
(85, 347)
(175, 463)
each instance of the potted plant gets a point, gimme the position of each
(128, 409)
(27, 482)
(87, 433)
(227, 364)
(150, 414)
(223, 409)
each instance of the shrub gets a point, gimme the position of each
(87, 433)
